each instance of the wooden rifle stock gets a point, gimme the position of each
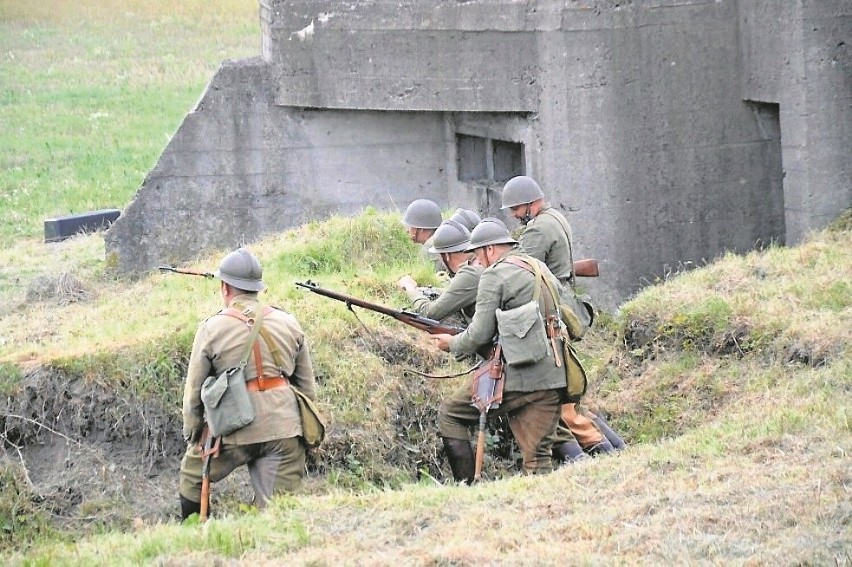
(186, 272)
(587, 268)
(210, 449)
(431, 326)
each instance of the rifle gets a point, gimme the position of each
(186, 272)
(486, 394)
(587, 268)
(210, 450)
(431, 326)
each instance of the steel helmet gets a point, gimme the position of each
(466, 217)
(451, 236)
(521, 190)
(422, 213)
(490, 231)
(242, 270)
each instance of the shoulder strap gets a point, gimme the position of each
(255, 324)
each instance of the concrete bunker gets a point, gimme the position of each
(667, 131)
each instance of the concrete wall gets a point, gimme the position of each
(668, 131)
(799, 54)
(240, 167)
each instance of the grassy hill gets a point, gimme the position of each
(730, 383)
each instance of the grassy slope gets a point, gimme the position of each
(731, 382)
(745, 455)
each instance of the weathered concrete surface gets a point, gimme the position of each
(668, 131)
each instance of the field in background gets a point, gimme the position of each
(91, 92)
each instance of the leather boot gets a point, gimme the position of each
(601, 448)
(188, 508)
(460, 456)
(614, 438)
(569, 452)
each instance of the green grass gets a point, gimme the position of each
(90, 97)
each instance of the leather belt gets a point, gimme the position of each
(266, 383)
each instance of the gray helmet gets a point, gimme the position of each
(490, 231)
(242, 270)
(422, 213)
(451, 236)
(521, 190)
(466, 217)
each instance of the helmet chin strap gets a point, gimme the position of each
(527, 216)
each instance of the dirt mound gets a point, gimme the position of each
(89, 453)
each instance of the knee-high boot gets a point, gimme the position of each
(188, 508)
(460, 456)
(613, 437)
(569, 452)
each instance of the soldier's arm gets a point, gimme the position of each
(483, 327)
(198, 369)
(303, 370)
(460, 293)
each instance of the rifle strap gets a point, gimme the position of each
(443, 376)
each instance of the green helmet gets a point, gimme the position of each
(422, 213)
(466, 217)
(451, 236)
(521, 190)
(490, 231)
(242, 270)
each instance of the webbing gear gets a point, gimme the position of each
(575, 374)
(261, 382)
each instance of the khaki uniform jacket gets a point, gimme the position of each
(545, 239)
(220, 342)
(458, 298)
(506, 286)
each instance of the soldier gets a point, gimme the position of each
(450, 242)
(421, 218)
(547, 237)
(467, 218)
(532, 388)
(270, 446)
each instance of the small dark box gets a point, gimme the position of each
(60, 228)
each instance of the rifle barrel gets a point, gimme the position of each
(413, 319)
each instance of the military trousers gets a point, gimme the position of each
(532, 418)
(275, 467)
(575, 424)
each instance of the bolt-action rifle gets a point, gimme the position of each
(487, 386)
(431, 326)
(186, 272)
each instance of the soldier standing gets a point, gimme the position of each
(547, 237)
(270, 446)
(533, 389)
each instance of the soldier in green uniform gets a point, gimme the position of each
(421, 218)
(469, 219)
(533, 388)
(270, 446)
(458, 300)
(547, 237)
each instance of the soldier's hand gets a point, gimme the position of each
(406, 283)
(442, 341)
